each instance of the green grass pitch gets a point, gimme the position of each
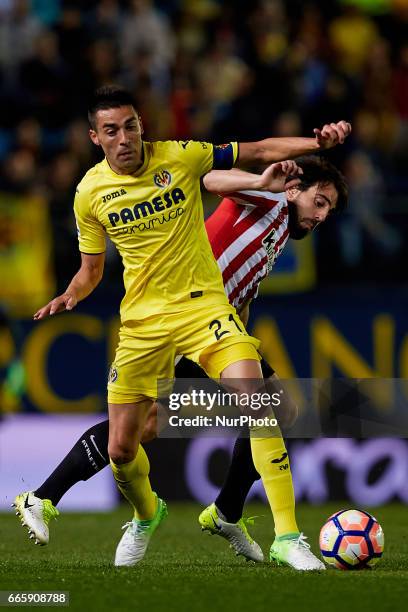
(186, 570)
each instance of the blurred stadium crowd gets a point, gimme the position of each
(208, 70)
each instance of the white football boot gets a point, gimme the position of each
(295, 552)
(236, 533)
(35, 514)
(133, 544)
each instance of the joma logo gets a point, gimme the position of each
(113, 195)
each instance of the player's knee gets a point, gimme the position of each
(246, 374)
(120, 452)
(247, 388)
(286, 414)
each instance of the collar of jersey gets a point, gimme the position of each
(145, 152)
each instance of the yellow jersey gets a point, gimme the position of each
(155, 219)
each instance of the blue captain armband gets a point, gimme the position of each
(223, 156)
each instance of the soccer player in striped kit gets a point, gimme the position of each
(247, 232)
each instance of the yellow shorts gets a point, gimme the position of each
(213, 336)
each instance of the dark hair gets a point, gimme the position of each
(108, 96)
(319, 170)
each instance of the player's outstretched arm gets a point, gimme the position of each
(84, 282)
(273, 179)
(276, 149)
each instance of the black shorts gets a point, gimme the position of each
(188, 369)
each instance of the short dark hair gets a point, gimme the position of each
(318, 170)
(108, 96)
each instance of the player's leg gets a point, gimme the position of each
(241, 473)
(144, 355)
(212, 519)
(234, 357)
(269, 453)
(131, 467)
(197, 336)
(239, 479)
(235, 532)
(224, 516)
(128, 459)
(232, 354)
(272, 463)
(86, 458)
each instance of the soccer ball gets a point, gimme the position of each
(351, 539)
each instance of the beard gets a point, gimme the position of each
(296, 231)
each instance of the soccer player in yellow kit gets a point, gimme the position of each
(146, 197)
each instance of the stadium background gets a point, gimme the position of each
(207, 70)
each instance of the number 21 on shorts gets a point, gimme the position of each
(220, 328)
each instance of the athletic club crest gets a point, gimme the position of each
(162, 179)
(269, 245)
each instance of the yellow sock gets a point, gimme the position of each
(272, 463)
(133, 481)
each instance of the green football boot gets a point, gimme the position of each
(235, 533)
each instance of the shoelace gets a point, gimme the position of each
(137, 528)
(248, 520)
(301, 541)
(128, 524)
(49, 512)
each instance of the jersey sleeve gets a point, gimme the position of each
(91, 234)
(258, 198)
(201, 157)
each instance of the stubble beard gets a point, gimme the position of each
(296, 231)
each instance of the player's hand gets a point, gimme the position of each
(332, 134)
(66, 301)
(274, 178)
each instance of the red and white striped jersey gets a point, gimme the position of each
(247, 233)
